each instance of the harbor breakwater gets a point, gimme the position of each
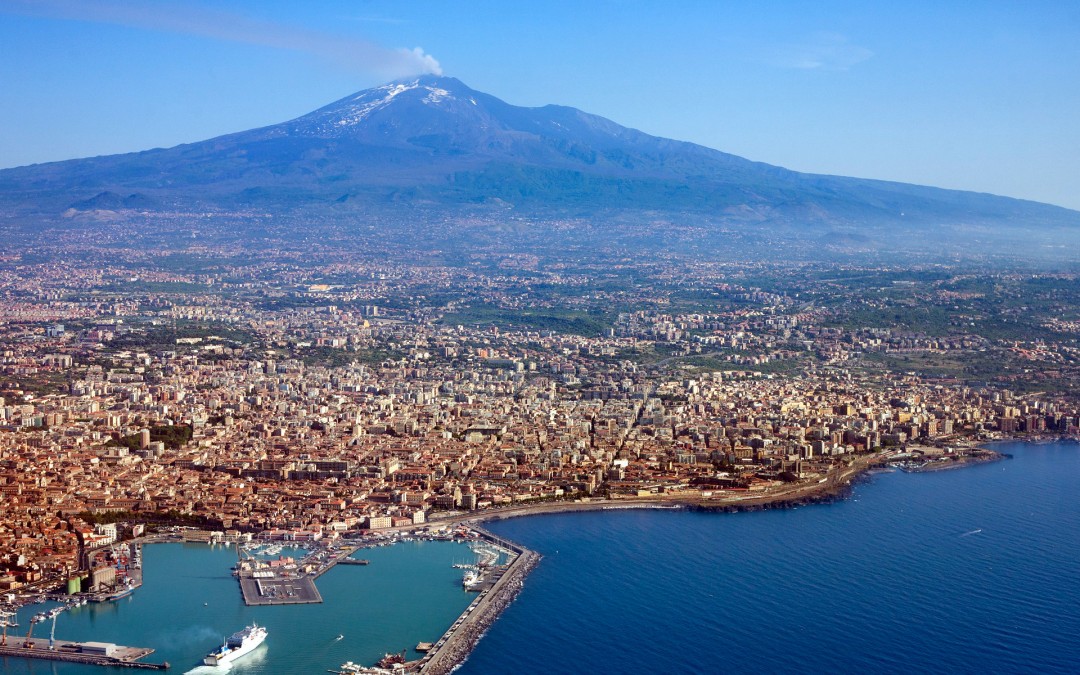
(462, 637)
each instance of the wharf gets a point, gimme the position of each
(293, 588)
(279, 590)
(81, 652)
(128, 570)
(454, 646)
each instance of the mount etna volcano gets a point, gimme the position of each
(431, 150)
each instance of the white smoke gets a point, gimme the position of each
(347, 52)
(427, 61)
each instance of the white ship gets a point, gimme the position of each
(238, 644)
(472, 578)
(350, 668)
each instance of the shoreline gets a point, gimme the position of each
(473, 623)
(986, 456)
(833, 486)
(831, 489)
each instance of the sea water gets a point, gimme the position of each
(189, 603)
(973, 570)
(969, 570)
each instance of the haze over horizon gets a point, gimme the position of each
(966, 98)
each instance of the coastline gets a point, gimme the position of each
(985, 456)
(835, 485)
(471, 626)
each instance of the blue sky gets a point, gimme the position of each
(973, 95)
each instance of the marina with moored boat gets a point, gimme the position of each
(282, 580)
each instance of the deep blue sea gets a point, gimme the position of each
(975, 570)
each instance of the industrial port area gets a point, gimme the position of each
(116, 572)
(90, 653)
(496, 577)
(268, 576)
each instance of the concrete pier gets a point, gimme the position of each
(267, 587)
(461, 638)
(279, 590)
(91, 653)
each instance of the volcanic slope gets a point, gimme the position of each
(433, 146)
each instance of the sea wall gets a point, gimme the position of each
(460, 640)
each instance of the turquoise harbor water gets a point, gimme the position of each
(189, 601)
(972, 570)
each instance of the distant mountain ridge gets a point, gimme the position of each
(433, 143)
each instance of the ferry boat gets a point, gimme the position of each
(238, 644)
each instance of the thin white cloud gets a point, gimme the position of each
(351, 53)
(824, 51)
(373, 19)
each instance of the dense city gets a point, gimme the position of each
(307, 402)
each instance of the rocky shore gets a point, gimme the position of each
(977, 456)
(458, 645)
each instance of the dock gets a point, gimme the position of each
(460, 639)
(268, 587)
(90, 653)
(279, 590)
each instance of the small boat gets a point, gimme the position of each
(350, 668)
(471, 578)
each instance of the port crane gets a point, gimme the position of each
(5, 621)
(36, 619)
(53, 613)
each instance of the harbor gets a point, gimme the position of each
(496, 577)
(269, 576)
(188, 603)
(286, 581)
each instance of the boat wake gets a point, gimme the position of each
(968, 534)
(207, 670)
